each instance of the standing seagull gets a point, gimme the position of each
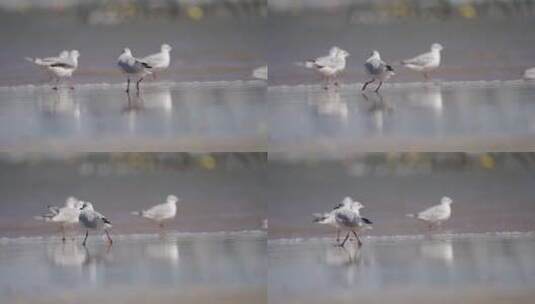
(132, 66)
(437, 214)
(377, 69)
(329, 218)
(59, 68)
(161, 212)
(90, 219)
(351, 221)
(329, 66)
(425, 62)
(65, 216)
(159, 61)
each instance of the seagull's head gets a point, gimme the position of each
(347, 202)
(446, 201)
(127, 51)
(333, 51)
(436, 47)
(343, 53)
(357, 205)
(87, 206)
(71, 202)
(166, 47)
(75, 54)
(375, 54)
(172, 199)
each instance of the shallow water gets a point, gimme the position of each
(164, 269)
(422, 117)
(467, 270)
(164, 117)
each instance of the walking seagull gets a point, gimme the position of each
(161, 212)
(59, 68)
(425, 62)
(350, 221)
(329, 66)
(377, 69)
(435, 215)
(133, 67)
(65, 216)
(91, 219)
(329, 218)
(159, 61)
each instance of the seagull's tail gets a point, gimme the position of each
(309, 64)
(30, 59)
(319, 218)
(137, 213)
(411, 215)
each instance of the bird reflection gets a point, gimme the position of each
(329, 103)
(135, 103)
(60, 102)
(165, 250)
(343, 256)
(378, 109)
(160, 99)
(66, 254)
(429, 97)
(437, 250)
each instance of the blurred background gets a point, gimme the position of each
(211, 40)
(482, 39)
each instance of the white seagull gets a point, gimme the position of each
(59, 68)
(529, 74)
(437, 214)
(329, 218)
(377, 69)
(159, 61)
(161, 212)
(425, 62)
(91, 219)
(329, 66)
(65, 216)
(132, 66)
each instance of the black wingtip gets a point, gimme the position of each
(338, 206)
(105, 220)
(389, 68)
(367, 221)
(146, 65)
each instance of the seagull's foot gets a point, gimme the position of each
(83, 244)
(63, 239)
(337, 84)
(359, 243)
(55, 88)
(72, 87)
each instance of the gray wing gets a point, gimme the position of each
(325, 61)
(375, 67)
(347, 218)
(153, 59)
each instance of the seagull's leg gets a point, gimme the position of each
(358, 238)
(62, 228)
(55, 87)
(153, 75)
(426, 76)
(378, 87)
(366, 84)
(338, 235)
(344, 241)
(85, 238)
(137, 84)
(127, 84)
(108, 235)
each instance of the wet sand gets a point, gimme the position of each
(208, 117)
(228, 268)
(474, 269)
(440, 116)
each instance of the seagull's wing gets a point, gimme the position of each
(326, 61)
(153, 59)
(433, 213)
(346, 218)
(421, 60)
(157, 212)
(143, 64)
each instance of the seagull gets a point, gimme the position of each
(260, 73)
(90, 219)
(329, 218)
(529, 74)
(377, 69)
(159, 61)
(425, 62)
(161, 212)
(351, 221)
(437, 214)
(59, 67)
(329, 66)
(132, 66)
(65, 216)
